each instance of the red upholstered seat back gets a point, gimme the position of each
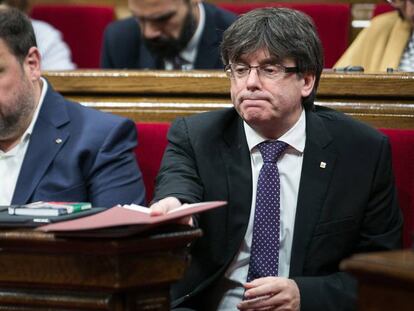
(402, 145)
(382, 8)
(152, 140)
(332, 22)
(82, 27)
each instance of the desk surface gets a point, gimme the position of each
(392, 265)
(385, 280)
(41, 271)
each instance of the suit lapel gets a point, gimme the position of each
(317, 168)
(45, 142)
(146, 60)
(236, 157)
(208, 51)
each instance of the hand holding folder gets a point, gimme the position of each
(136, 218)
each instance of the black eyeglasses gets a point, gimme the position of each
(270, 71)
(398, 3)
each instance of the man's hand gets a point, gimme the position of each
(271, 293)
(167, 204)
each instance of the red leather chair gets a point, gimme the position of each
(152, 142)
(332, 22)
(82, 27)
(402, 147)
(381, 8)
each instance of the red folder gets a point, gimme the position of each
(118, 218)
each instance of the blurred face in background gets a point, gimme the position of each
(408, 11)
(20, 4)
(166, 25)
(406, 8)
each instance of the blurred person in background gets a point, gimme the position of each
(175, 34)
(387, 43)
(52, 149)
(56, 54)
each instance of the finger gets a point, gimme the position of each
(158, 209)
(262, 287)
(163, 206)
(255, 303)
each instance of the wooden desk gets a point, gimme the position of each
(383, 100)
(40, 271)
(386, 280)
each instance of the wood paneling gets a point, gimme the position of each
(383, 100)
(41, 271)
(386, 280)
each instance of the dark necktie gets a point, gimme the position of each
(177, 62)
(264, 254)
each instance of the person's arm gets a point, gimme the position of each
(115, 177)
(105, 50)
(177, 181)
(353, 56)
(178, 175)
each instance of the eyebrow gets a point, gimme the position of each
(155, 18)
(266, 61)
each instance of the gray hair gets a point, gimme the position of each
(284, 32)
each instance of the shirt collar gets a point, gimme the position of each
(190, 52)
(29, 130)
(295, 137)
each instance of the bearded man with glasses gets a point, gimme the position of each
(306, 186)
(387, 43)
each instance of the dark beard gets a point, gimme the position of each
(16, 121)
(170, 47)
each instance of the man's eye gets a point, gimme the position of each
(241, 70)
(270, 70)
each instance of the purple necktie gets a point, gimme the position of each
(264, 254)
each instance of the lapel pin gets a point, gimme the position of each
(322, 165)
(58, 140)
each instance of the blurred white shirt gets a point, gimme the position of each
(55, 52)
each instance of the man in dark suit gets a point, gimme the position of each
(331, 186)
(176, 34)
(52, 149)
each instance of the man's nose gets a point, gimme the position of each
(150, 30)
(253, 78)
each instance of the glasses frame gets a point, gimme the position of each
(229, 71)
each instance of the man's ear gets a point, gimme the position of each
(32, 63)
(308, 84)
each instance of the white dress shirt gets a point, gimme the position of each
(290, 168)
(189, 54)
(12, 160)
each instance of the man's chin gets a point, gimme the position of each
(253, 115)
